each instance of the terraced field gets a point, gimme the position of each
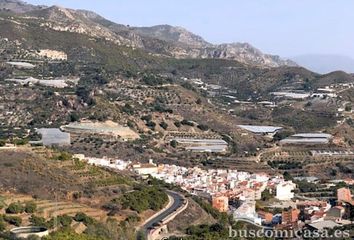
(303, 163)
(49, 209)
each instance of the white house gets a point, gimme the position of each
(284, 190)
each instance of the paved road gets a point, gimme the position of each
(178, 202)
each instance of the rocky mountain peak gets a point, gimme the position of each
(172, 34)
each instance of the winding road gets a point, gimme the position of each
(177, 203)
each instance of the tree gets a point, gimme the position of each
(173, 143)
(178, 124)
(74, 117)
(164, 125)
(266, 195)
(348, 108)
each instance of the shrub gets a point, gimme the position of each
(128, 109)
(20, 142)
(2, 225)
(64, 156)
(143, 199)
(173, 143)
(37, 221)
(30, 207)
(74, 117)
(203, 127)
(82, 217)
(151, 124)
(65, 220)
(14, 208)
(13, 220)
(146, 118)
(186, 122)
(178, 124)
(164, 125)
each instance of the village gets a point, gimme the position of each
(258, 199)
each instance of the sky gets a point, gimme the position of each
(283, 27)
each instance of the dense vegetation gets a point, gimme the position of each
(143, 198)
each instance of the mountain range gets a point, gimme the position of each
(321, 63)
(162, 40)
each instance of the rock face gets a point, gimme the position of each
(161, 39)
(177, 35)
(191, 45)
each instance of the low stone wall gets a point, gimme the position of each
(155, 234)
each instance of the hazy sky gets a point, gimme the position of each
(284, 27)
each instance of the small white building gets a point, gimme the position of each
(146, 169)
(284, 191)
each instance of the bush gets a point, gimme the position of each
(186, 122)
(64, 156)
(82, 217)
(65, 220)
(143, 199)
(173, 143)
(178, 124)
(128, 109)
(30, 207)
(146, 118)
(151, 124)
(74, 117)
(2, 225)
(14, 208)
(16, 221)
(37, 221)
(20, 142)
(164, 125)
(203, 127)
